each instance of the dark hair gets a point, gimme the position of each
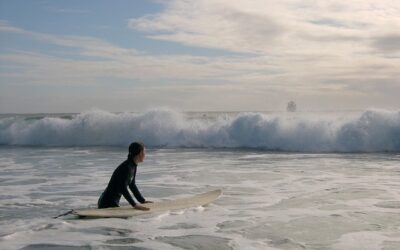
(134, 149)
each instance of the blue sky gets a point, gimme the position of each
(71, 56)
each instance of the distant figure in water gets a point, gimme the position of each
(124, 175)
(291, 107)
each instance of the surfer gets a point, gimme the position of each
(122, 178)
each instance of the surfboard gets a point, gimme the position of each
(166, 205)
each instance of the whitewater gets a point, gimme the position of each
(368, 131)
(303, 180)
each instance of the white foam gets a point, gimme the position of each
(370, 131)
(269, 201)
(361, 240)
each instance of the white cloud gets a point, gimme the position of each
(272, 27)
(100, 59)
(5, 27)
(309, 44)
(213, 24)
(305, 50)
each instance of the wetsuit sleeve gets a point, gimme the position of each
(136, 192)
(135, 189)
(128, 196)
(125, 191)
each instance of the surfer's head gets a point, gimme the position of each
(136, 152)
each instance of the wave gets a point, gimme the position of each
(369, 131)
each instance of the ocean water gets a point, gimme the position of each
(289, 180)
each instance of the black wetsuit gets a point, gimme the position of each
(122, 177)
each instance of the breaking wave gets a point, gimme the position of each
(369, 131)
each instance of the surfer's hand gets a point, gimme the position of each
(147, 202)
(139, 207)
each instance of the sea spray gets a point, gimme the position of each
(369, 131)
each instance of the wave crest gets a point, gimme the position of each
(370, 131)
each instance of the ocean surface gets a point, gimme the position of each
(304, 180)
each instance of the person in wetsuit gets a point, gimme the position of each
(122, 178)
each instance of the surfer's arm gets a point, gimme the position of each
(136, 192)
(125, 191)
(128, 196)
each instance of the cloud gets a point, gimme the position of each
(212, 24)
(307, 46)
(88, 45)
(315, 50)
(6, 27)
(272, 27)
(97, 59)
(387, 43)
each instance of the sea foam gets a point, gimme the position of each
(369, 131)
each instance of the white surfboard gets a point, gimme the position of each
(129, 211)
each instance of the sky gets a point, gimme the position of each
(200, 55)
